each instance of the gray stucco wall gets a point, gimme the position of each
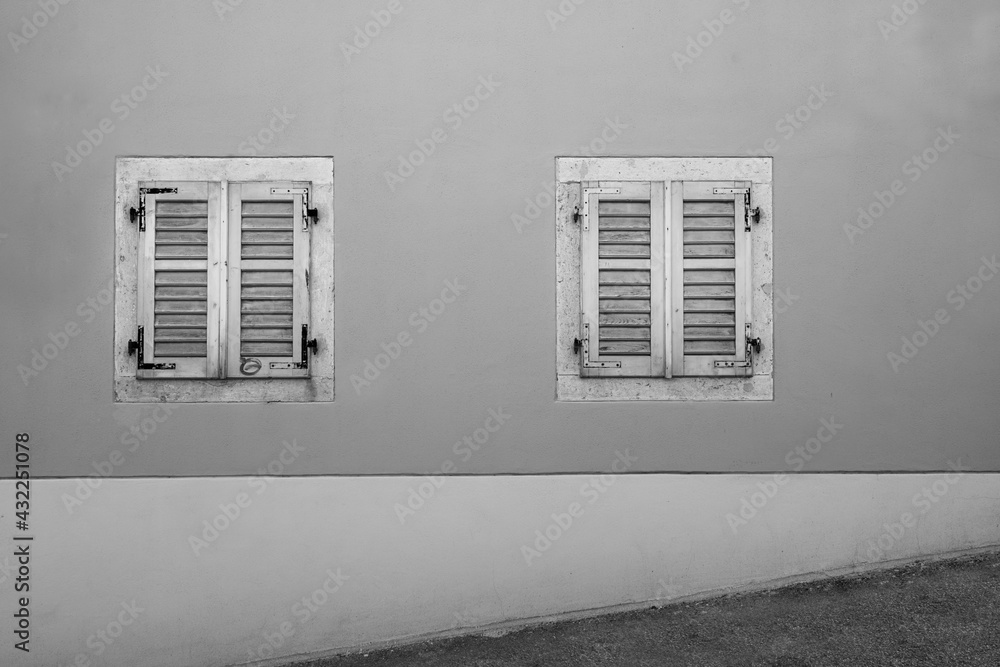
(848, 299)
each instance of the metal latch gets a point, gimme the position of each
(307, 345)
(307, 213)
(138, 346)
(139, 214)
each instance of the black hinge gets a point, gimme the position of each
(139, 345)
(307, 345)
(139, 214)
(752, 347)
(752, 213)
(308, 214)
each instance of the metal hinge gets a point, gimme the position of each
(752, 347)
(586, 201)
(750, 213)
(138, 346)
(139, 214)
(307, 345)
(307, 213)
(585, 346)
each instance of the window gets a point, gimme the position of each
(225, 279)
(664, 278)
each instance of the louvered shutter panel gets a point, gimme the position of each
(710, 279)
(622, 280)
(178, 305)
(268, 281)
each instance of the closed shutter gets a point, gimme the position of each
(178, 304)
(622, 285)
(710, 279)
(268, 295)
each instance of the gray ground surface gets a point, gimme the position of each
(942, 613)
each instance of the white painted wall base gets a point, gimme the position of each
(456, 562)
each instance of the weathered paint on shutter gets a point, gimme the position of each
(178, 305)
(623, 280)
(268, 293)
(710, 304)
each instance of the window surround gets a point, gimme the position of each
(570, 173)
(129, 172)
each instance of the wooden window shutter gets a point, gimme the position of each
(268, 280)
(178, 290)
(622, 288)
(710, 285)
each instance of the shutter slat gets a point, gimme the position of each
(173, 292)
(252, 320)
(692, 223)
(625, 333)
(283, 349)
(708, 208)
(624, 347)
(709, 276)
(635, 277)
(177, 334)
(613, 291)
(181, 278)
(720, 289)
(170, 320)
(281, 237)
(625, 223)
(696, 318)
(624, 319)
(180, 349)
